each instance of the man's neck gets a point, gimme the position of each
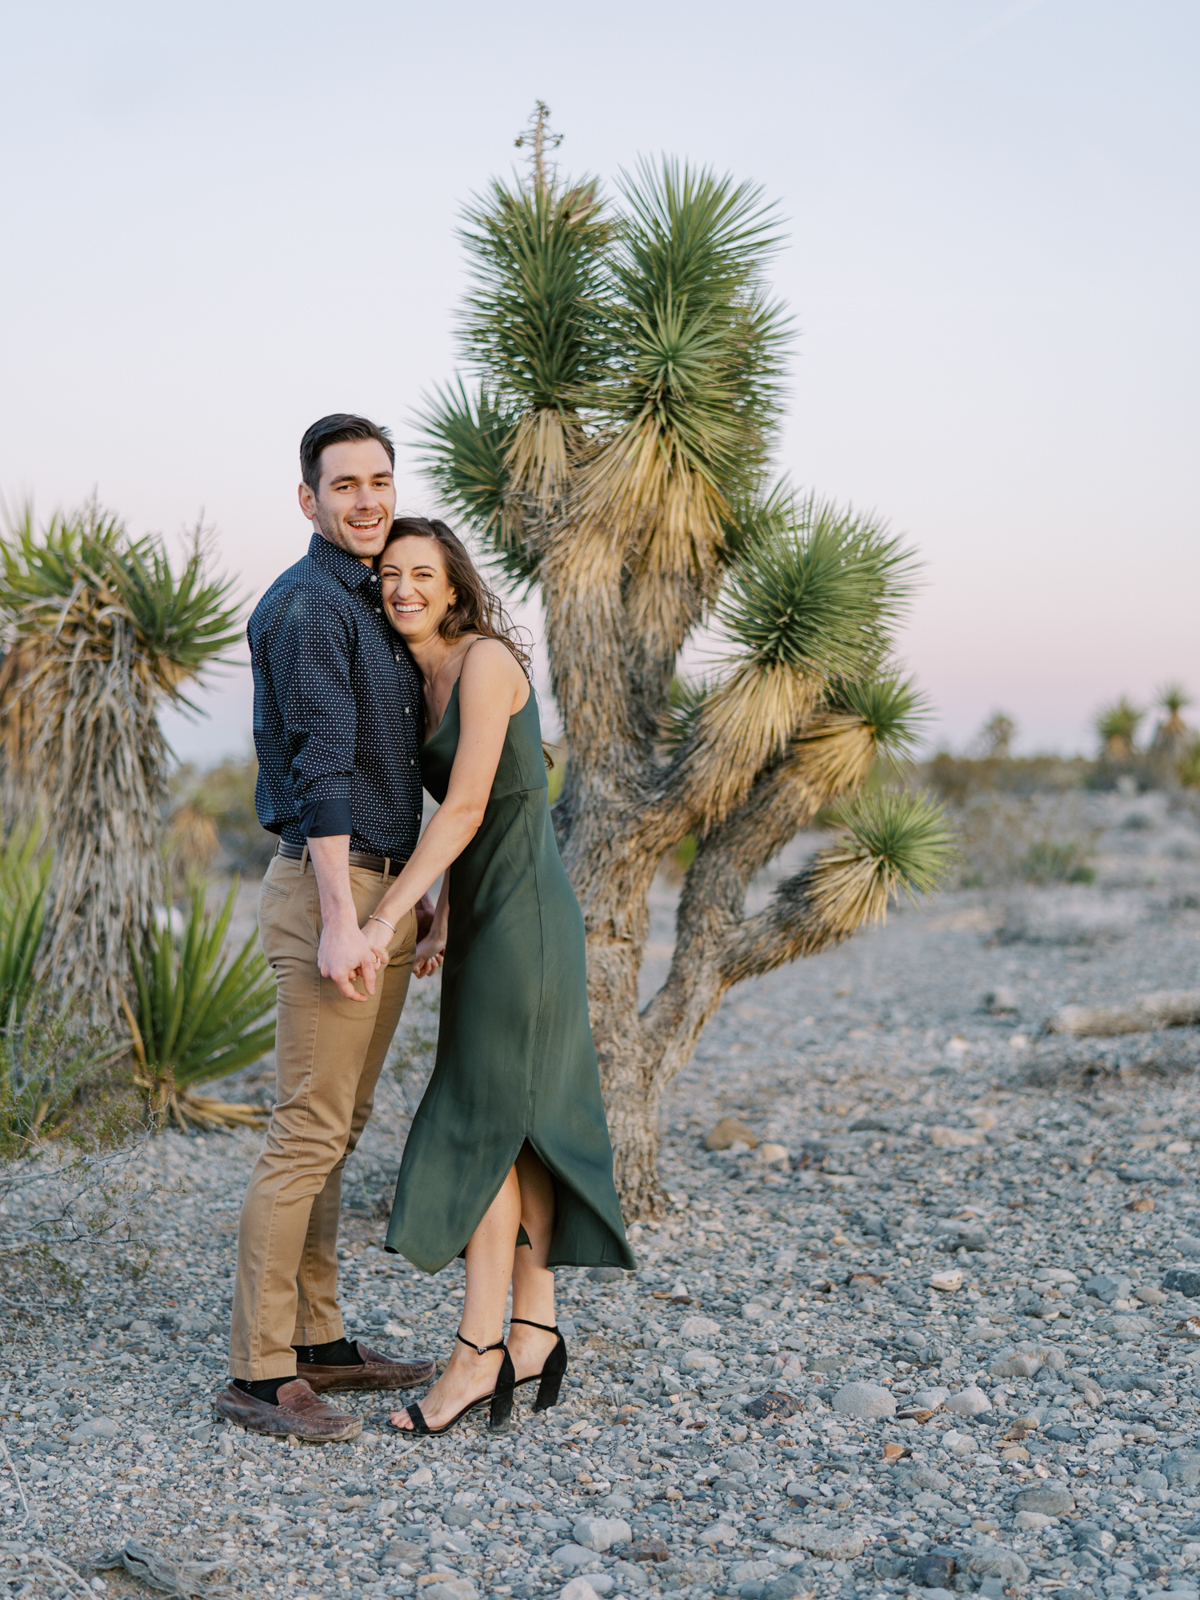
(367, 561)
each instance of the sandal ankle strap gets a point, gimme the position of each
(479, 1349)
(525, 1322)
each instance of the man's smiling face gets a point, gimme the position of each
(355, 502)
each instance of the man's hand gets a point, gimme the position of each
(344, 954)
(425, 910)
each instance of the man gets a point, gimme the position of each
(337, 727)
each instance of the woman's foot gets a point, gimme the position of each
(468, 1377)
(529, 1348)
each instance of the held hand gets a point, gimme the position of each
(425, 910)
(429, 954)
(343, 955)
(379, 937)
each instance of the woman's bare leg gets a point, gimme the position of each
(532, 1280)
(489, 1269)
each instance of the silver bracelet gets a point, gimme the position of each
(384, 920)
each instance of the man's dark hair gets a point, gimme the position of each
(336, 429)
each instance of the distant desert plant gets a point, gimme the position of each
(1009, 839)
(1117, 724)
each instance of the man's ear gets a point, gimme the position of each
(308, 501)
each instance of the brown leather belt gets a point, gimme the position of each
(386, 866)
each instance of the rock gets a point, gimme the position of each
(775, 1406)
(1185, 1279)
(1063, 1432)
(698, 1328)
(94, 1428)
(933, 1571)
(954, 1138)
(1127, 1327)
(864, 1400)
(1044, 1497)
(451, 1589)
(831, 1544)
(1002, 1002)
(927, 1399)
(970, 1402)
(1149, 1296)
(572, 1555)
(925, 1477)
(993, 1561)
(578, 1589)
(959, 1444)
(700, 1361)
(656, 1550)
(606, 1274)
(946, 1282)
(1032, 1521)
(419, 1478)
(1154, 1483)
(1102, 1286)
(601, 1533)
(1166, 1009)
(772, 1155)
(1188, 1247)
(741, 1461)
(1182, 1467)
(1023, 1365)
(730, 1131)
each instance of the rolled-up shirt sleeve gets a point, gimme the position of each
(311, 671)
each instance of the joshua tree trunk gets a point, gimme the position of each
(615, 457)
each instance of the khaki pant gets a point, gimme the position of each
(329, 1052)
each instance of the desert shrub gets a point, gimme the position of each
(1007, 839)
(213, 820)
(958, 778)
(199, 1014)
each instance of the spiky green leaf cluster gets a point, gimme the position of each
(697, 341)
(182, 617)
(892, 708)
(24, 873)
(200, 1011)
(463, 443)
(536, 324)
(905, 837)
(1119, 721)
(821, 594)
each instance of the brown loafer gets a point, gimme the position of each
(377, 1372)
(299, 1412)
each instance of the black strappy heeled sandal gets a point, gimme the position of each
(501, 1397)
(552, 1373)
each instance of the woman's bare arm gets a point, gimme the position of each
(491, 688)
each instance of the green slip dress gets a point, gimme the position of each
(515, 1058)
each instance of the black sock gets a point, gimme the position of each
(262, 1388)
(337, 1353)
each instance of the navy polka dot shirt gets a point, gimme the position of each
(337, 709)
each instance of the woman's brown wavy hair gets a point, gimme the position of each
(477, 608)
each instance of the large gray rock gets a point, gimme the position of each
(94, 1428)
(1182, 1468)
(741, 1461)
(571, 1556)
(1185, 1279)
(1104, 1287)
(864, 1400)
(698, 1328)
(1046, 1498)
(601, 1533)
(971, 1402)
(925, 1477)
(1018, 1365)
(832, 1544)
(994, 1561)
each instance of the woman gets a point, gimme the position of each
(508, 1158)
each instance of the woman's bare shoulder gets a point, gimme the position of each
(490, 660)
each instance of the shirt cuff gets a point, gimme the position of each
(324, 819)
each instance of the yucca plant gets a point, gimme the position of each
(612, 452)
(1171, 734)
(1117, 724)
(198, 1015)
(99, 630)
(24, 873)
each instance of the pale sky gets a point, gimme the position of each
(224, 220)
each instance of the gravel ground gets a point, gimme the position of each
(778, 1402)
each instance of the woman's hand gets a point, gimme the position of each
(430, 953)
(379, 936)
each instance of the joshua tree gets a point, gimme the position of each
(1117, 725)
(1171, 734)
(996, 736)
(99, 630)
(614, 455)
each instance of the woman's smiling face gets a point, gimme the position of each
(416, 592)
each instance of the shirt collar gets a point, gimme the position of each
(347, 569)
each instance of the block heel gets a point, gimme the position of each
(549, 1379)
